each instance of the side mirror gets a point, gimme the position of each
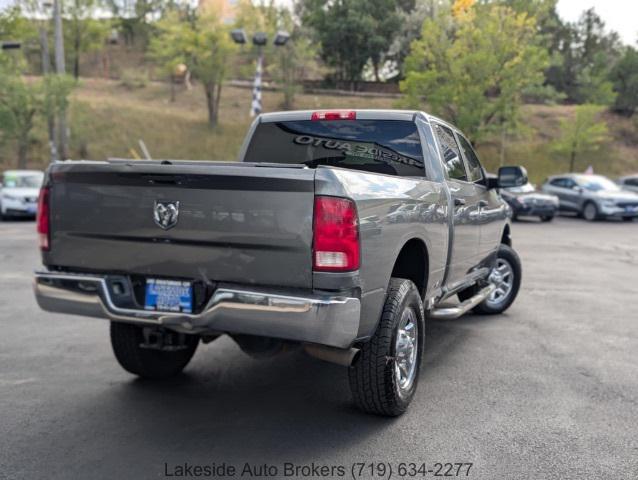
(512, 177)
(578, 189)
(509, 177)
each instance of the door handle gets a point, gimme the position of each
(458, 202)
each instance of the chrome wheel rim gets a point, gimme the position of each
(502, 277)
(406, 351)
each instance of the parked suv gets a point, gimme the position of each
(592, 196)
(629, 182)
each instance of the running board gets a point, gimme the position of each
(455, 311)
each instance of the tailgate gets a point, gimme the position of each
(236, 222)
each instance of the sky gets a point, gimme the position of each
(619, 15)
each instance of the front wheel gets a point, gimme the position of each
(547, 218)
(590, 212)
(506, 278)
(385, 375)
(151, 354)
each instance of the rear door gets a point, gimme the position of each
(465, 198)
(565, 189)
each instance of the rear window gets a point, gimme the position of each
(392, 147)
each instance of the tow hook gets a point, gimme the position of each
(162, 340)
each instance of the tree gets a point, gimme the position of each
(411, 22)
(133, 17)
(83, 31)
(201, 43)
(20, 101)
(291, 65)
(473, 68)
(581, 134)
(583, 55)
(14, 26)
(351, 32)
(624, 75)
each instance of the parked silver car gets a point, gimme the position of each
(19, 193)
(630, 182)
(592, 196)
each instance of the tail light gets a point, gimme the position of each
(42, 220)
(336, 235)
(334, 115)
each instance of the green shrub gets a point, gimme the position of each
(134, 79)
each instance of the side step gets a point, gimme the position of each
(455, 311)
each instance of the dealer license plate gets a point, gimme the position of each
(169, 296)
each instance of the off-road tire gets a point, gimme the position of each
(373, 379)
(144, 362)
(509, 254)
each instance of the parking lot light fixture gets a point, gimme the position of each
(11, 45)
(239, 36)
(260, 40)
(281, 38)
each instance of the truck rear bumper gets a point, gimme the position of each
(320, 319)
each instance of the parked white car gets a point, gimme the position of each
(19, 193)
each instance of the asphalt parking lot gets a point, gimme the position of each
(548, 390)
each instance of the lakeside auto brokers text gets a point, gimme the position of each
(356, 470)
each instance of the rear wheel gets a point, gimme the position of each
(385, 375)
(148, 353)
(590, 212)
(628, 219)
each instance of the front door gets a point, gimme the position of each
(492, 210)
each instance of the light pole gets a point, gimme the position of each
(60, 69)
(46, 70)
(260, 40)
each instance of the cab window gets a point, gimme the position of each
(475, 170)
(452, 161)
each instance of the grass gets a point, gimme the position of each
(108, 120)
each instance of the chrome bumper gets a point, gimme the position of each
(324, 320)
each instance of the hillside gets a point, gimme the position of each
(107, 120)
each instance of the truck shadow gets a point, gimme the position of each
(230, 408)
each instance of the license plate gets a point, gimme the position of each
(169, 296)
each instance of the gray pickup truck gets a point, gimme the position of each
(340, 232)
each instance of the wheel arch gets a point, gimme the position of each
(412, 263)
(506, 237)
